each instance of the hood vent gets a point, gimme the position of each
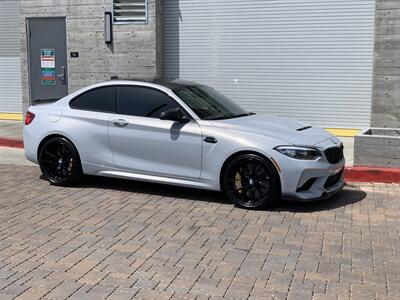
(304, 128)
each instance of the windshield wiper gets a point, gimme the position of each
(231, 117)
(242, 115)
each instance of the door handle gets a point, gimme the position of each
(120, 123)
(210, 139)
(62, 75)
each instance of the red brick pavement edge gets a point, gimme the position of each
(352, 174)
(11, 142)
(372, 174)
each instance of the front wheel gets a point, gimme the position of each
(251, 181)
(59, 162)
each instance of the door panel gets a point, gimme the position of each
(154, 146)
(89, 132)
(87, 121)
(47, 58)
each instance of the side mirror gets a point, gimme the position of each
(174, 114)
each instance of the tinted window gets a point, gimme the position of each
(208, 103)
(143, 102)
(100, 99)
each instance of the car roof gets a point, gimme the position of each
(170, 84)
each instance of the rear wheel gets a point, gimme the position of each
(251, 181)
(59, 162)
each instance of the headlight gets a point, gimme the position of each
(305, 153)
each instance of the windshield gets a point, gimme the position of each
(208, 103)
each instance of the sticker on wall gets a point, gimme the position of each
(48, 66)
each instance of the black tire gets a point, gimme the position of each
(251, 181)
(59, 162)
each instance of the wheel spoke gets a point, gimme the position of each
(49, 154)
(242, 172)
(246, 191)
(64, 170)
(47, 161)
(249, 180)
(62, 150)
(248, 171)
(254, 193)
(257, 169)
(53, 168)
(263, 183)
(57, 161)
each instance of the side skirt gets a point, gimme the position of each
(159, 179)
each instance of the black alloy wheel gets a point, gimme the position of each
(251, 181)
(59, 162)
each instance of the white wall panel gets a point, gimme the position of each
(308, 60)
(10, 68)
(10, 84)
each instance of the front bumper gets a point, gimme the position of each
(318, 184)
(304, 180)
(316, 195)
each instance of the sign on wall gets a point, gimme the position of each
(48, 66)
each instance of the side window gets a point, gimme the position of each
(101, 99)
(143, 101)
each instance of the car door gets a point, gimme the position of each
(87, 122)
(141, 142)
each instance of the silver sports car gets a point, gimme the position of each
(181, 133)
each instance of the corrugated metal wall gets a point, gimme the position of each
(306, 59)
(10, 68)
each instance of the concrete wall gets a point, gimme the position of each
(377, 147)
(135, 52)
(386, 83)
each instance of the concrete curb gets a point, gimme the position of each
(351, 174)
(11, 142)
(372, 174)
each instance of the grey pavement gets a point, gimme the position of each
(118, 239)
(13, 129)
(13, 156)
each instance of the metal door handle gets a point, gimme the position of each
(62, 75)
(120, 123)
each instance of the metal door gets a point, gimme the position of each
(47, 58)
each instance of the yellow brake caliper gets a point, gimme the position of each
(238, 183)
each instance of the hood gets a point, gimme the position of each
(292, 132)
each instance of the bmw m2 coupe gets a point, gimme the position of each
(185, 134)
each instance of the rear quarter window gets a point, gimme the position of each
(103, 99)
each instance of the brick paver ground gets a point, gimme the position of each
(119, 239)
